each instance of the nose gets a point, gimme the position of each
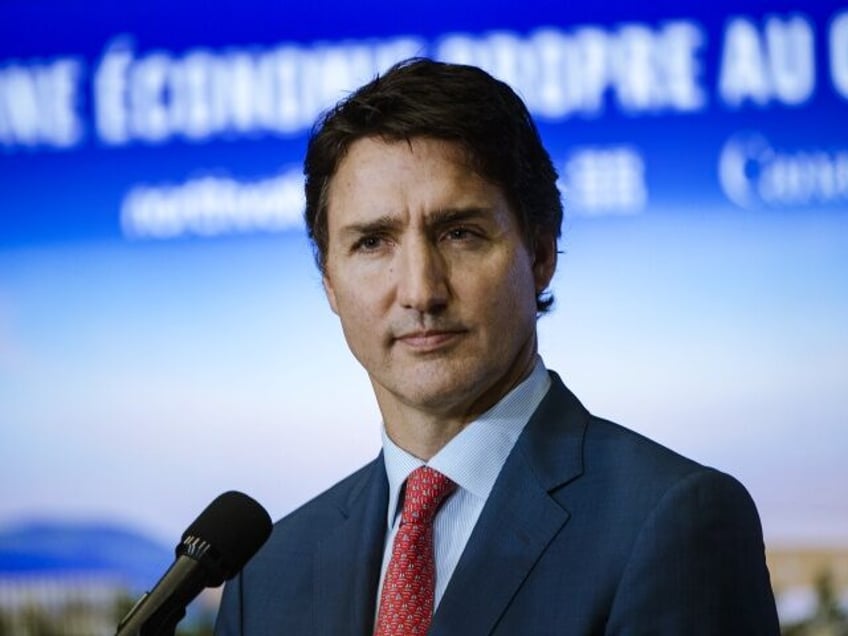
(422, 283)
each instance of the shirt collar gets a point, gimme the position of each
(474, 457)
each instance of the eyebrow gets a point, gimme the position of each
(438, 218)
(454, 215)
(384, 223)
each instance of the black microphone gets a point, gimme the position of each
(213, 549)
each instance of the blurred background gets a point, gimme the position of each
(163, 331)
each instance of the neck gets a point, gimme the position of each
(424, 432)
(420, 435)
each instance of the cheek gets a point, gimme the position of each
(356, 291)
(359, 334)
(360, 317)
(514, 290)
(504, 303)
(352, 311)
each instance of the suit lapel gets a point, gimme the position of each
(347, 562)
(519, 520)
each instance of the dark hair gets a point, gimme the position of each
(423, 98)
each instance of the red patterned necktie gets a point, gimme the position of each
(406, 602)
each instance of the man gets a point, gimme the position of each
(434, 213)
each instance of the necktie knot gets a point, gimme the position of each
(426, 489)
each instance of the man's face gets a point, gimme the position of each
(429, 274)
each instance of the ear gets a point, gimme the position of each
(330, 292)
(544, 261)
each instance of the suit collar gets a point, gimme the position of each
(552, 444)
(347, 562)
(517, 524)
(520, 518)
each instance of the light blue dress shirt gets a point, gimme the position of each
(472, 460)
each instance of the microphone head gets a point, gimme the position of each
(226, 535)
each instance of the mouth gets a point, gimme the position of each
(429, 339)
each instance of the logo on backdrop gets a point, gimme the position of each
(130, 96)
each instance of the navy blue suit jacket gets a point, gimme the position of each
(590, 529)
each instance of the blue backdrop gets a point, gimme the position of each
(163, 332)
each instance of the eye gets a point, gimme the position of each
(461, 234)
(368, 243)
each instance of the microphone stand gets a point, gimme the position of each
(169, 610)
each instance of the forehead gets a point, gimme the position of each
(383, 177)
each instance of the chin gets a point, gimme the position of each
(443, 395)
